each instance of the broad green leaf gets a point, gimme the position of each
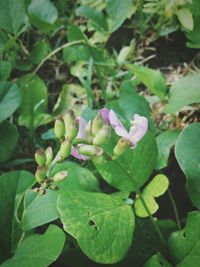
(39, 52)
(8, 140)
(165, 141)
(95, 16)
(118, 11)
(38, 250)
(10, 99)
(185, 18)
(43, 14)
(34, 102)
(187, 151)
(154, 189)
(152, 79)
(78, 178)
(131, 103)
(12, 14)
(39, 210)
(130, 171)
(184, 92)
(13, 185)
(72, 96)
(157, 261)
(102, 224)
(5, 70)
(184, 245)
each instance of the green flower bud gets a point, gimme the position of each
(68, 118)
(59, 128)
(102, 136)
(88, 131)
(60, 176)
(99, 159)
(49, 155)
(40, 157)
(97, 124)
(72, 130)
(90, 150)
(65, 148)
(122, 145)
(41, 174)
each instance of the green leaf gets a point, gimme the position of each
(43, 14)
(184, 92)
(97, 18)
(186, 19)
(152, 79)
(5, 70)
(12, 14)
(13, 185)
(10, 99)
(72, 96)
(194, 35)
(35, 205)
(187, 151)
(102, 224)
(154, 189)
(131, 103)
(165, 141)
(78, 178)
(8, 140)
(39, 52)
(157, 261)
(118, 11)
(38, 250)
(130, 171)
(34, 102)
(184, 245)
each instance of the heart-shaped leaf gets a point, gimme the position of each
(187, 151)
(38, 250)
(184, 245)
(102, 224)
(13, 185)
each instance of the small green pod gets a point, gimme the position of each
(90, 150)
(65, 148)
(59, 128)
(41, 174)
(40, 157)
(49, 155)
(122, 145)
(102, 136)
(60, 176)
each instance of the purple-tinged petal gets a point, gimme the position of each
(139, 129)
(82, 125)
(117, 125)
(104, 112)
(77, 155)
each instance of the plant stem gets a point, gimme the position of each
(157, 229)
(174, 208)
(55, 52)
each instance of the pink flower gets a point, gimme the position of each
(137, 130)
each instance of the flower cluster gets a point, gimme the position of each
(83, 140)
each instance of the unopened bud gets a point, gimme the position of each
(49, 155)
(40, 157)
(102, 136)
(99, 159)
(72, 130)
(41, 174)
(65, 148)
(97, 124)
(88, 131)
(60, 176)
(90, 150)
(59, 128)
(68, 118)
(121, 147)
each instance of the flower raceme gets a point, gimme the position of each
(98, 131)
